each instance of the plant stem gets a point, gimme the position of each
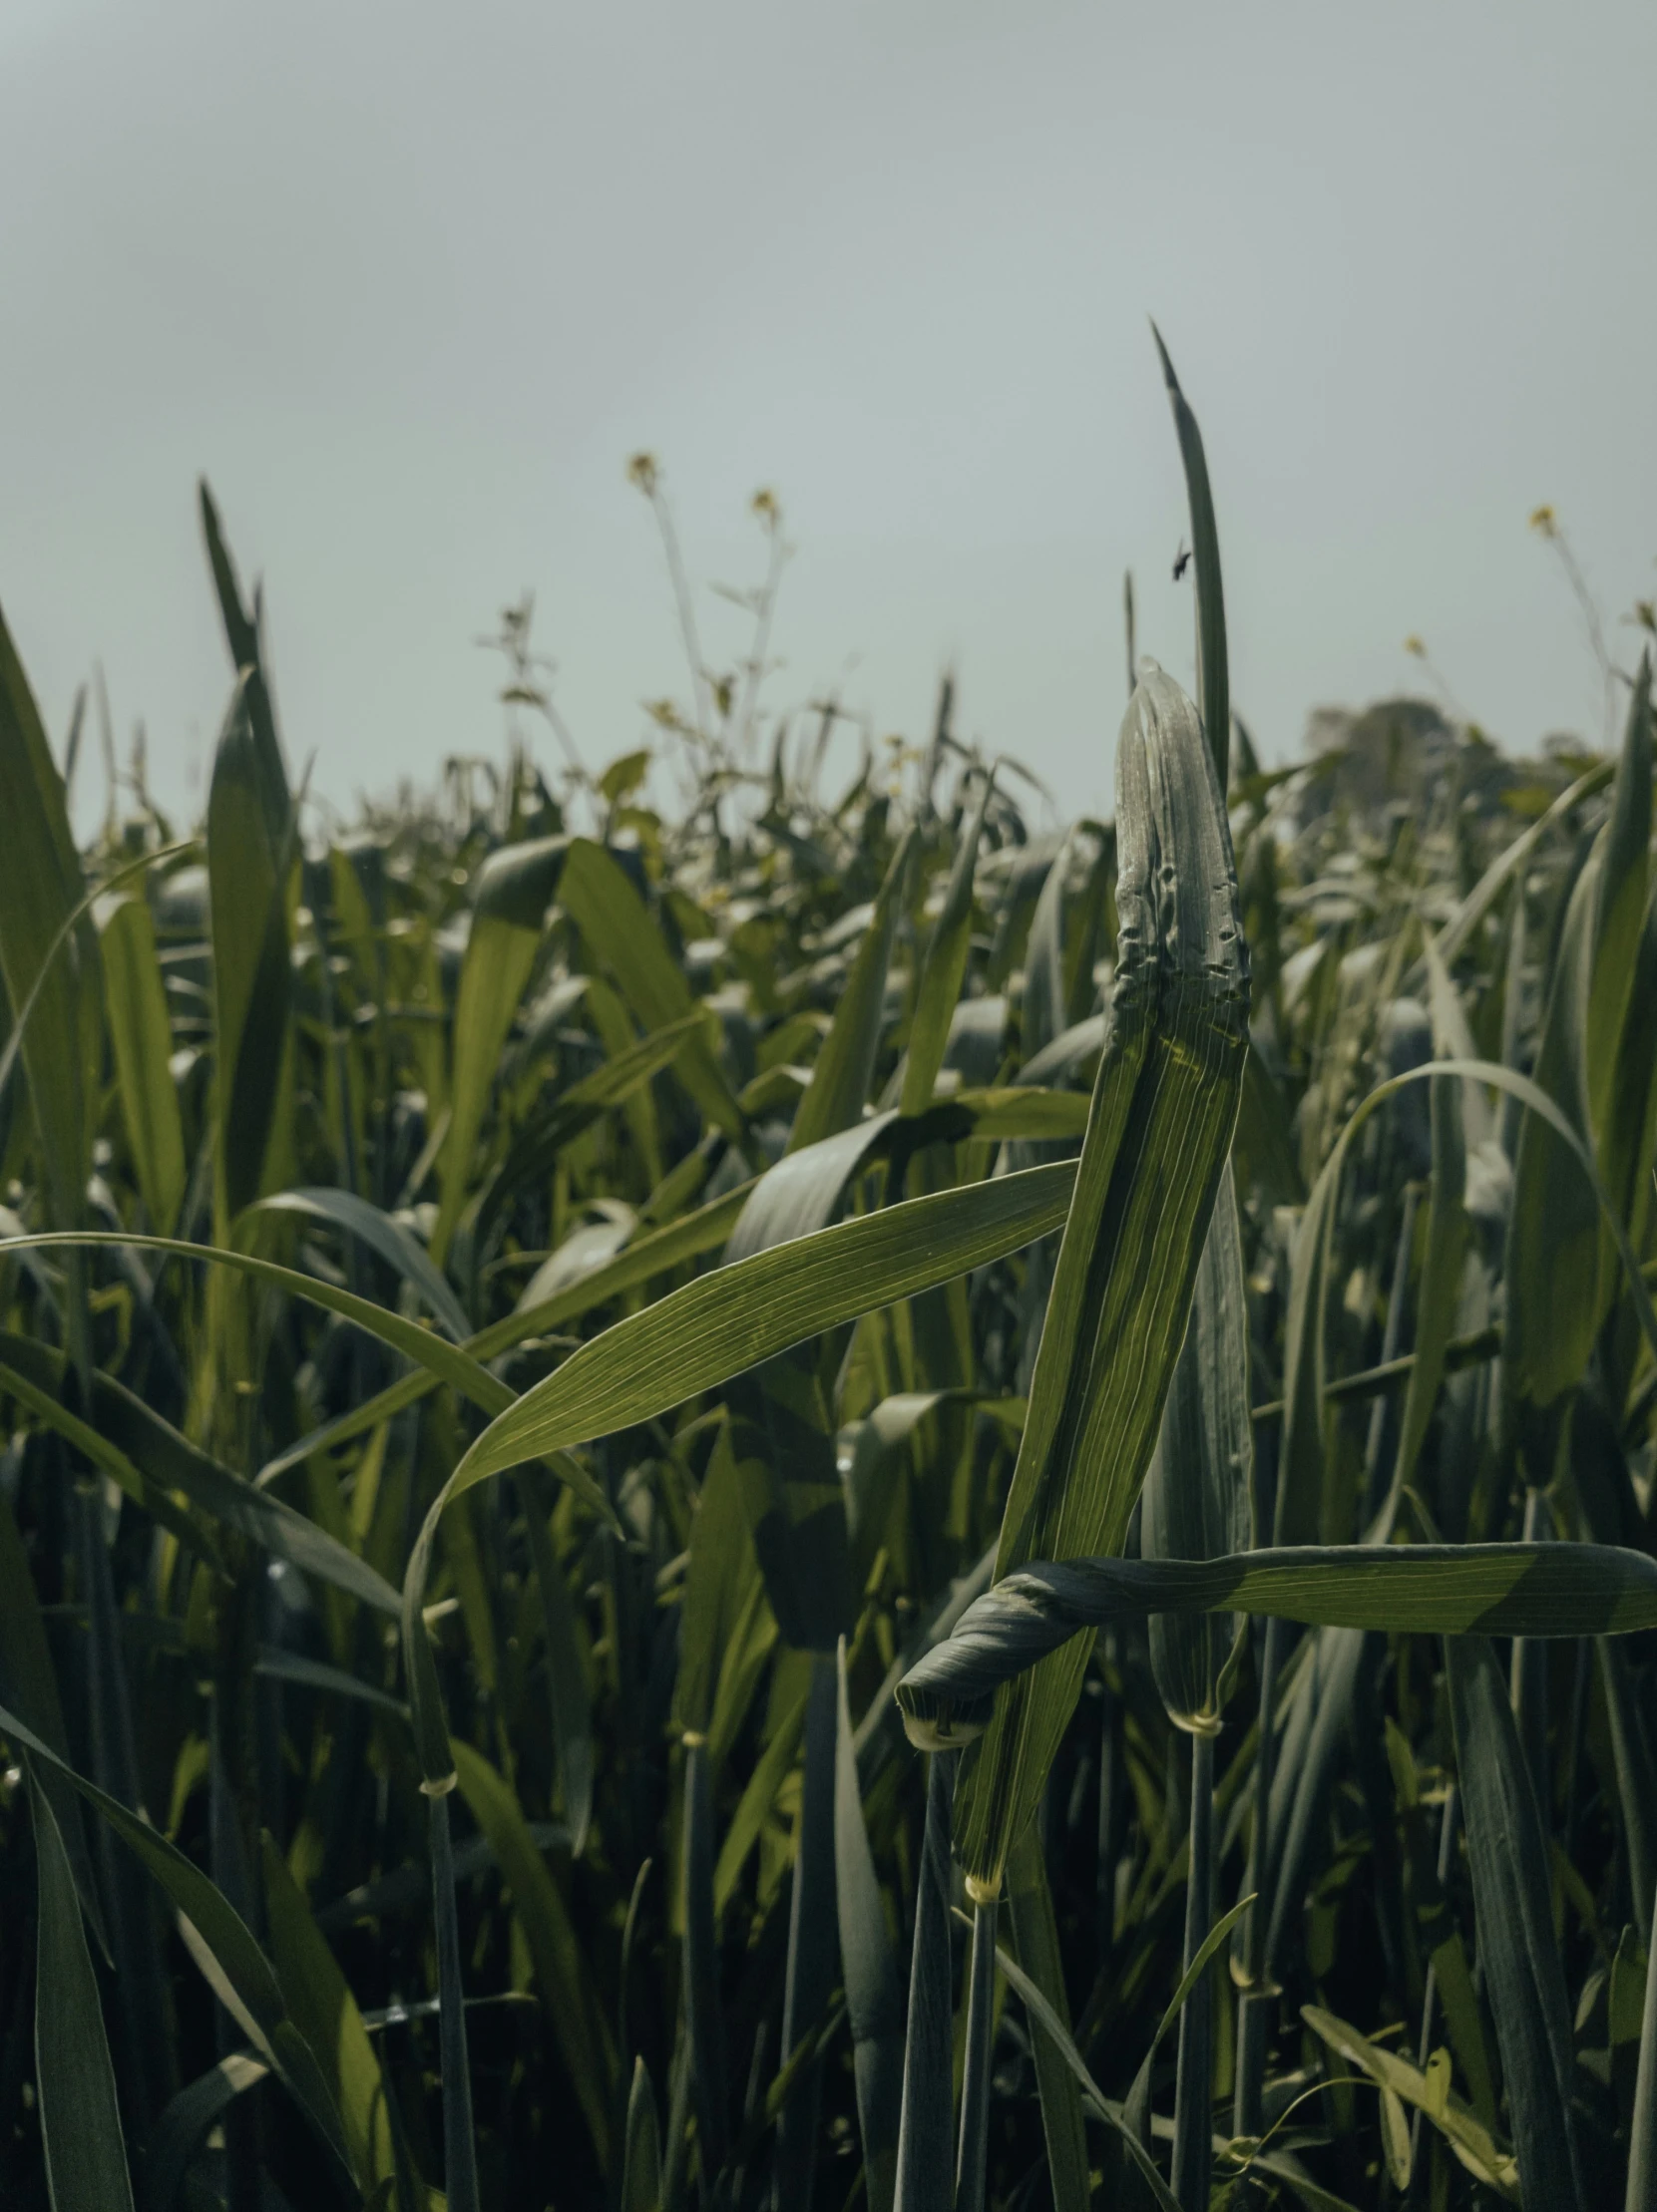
(702, 1963)
(812, 1942)
(928, 2089)
(1424, 2046)
(1193, 2091)
(1252, 2001)
(975, 2079)
(1110, 1799)
(460, 2160)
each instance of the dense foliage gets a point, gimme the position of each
(520, 1323)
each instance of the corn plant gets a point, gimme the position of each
(827, 1497)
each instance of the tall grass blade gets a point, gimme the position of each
(140, 1033)
(972, 2151)
(217, 1939)
(1519, 1956)
(250, 853)
(29, 1686)
(568, 1693)
(1426, 1589)
(1166, 1091)
(812, 1946)
(1114, 2116)
(642, 2170)
(460, 2157)
(1194, 2081)
(1636, 1780)
(146, 2075)
(845, 1066)
(718, 1327)
(704, 2019)
(1641, 2195)
(614, 922)
(1198, 1496)
(1035, 1936)
(40, 890)
(873, 2005)
(326, 2013)
(1300, 1488)
(514, 887)
(579, 2023)
(80, 2125)
(1213, 676)
(926, 2128)
(945, 966)
(1439, 1292)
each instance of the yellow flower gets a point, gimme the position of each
(1542, 519)
(642, 471)
(1414, 644)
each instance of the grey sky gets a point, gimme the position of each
(411, 282)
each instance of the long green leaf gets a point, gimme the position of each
(568, 1694)
(583, 2033)
(80, 2127)
(1550, 1590)
(325, 2013)
(1508, 864)
(1300, 1473)
(643, 1257)
(704, 2019)
(813, 1941)
(460, 2151)
(344, 1210)
(218, 1939)
(29, 1684)
(925, 2129)
(135, 1006)
(40, 890)
(1111, 2114)
(1213, 677)
(945, 966)
(1439, 1298)
(150, 1459)
(251, 852)
(845, 1066)
(718, 1327)
(1198, 1496)
(1641, 2195)
(1468, 2137)
(1523, 1978)
(1160, 1127)
(1035, 1936)
(873, 2005)
(616, 923)
(514, 887)
(642, 2172)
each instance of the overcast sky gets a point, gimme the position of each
(410, 284)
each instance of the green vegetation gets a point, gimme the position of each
(813, 1501)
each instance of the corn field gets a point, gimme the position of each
(796, 1501)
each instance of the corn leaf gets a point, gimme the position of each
(1198, 1496)
(1213, 677)
(80, 2125)
(945, 966)
(135, 1007)
(40, 890)
(1160, 1127)
(721, 1324)
(873, 2005)
(845, 1066)
(1544, 1589)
